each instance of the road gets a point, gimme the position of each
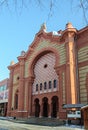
(9, 125)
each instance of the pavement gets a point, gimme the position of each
(6, 124)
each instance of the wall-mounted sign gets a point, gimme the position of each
(74, 114)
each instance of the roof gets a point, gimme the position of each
(84, 107)
(73, 105)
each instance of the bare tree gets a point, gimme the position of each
(84, 7)
(18, 5)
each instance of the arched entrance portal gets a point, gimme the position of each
(54, 106)
(37, 107)
(45, 107)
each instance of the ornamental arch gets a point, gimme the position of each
(41, 53)
(45, 81)
(45, 75)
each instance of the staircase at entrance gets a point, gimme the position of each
(43, 121)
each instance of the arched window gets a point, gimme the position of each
(40, 86)
(16, 100)
(50, 84)
(36, 87)
(45, 85)
(55, 83)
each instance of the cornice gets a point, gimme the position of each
(82, 30)
(66, 32)
(13, 66)
(40, 36)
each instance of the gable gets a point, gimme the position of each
(46, 44)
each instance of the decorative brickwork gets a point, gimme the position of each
(44, 45)
(44, 72)
(83, 54)
(82, 81)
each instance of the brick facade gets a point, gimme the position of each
(53, 72)
(4, 96)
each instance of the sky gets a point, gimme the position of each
(20, 23)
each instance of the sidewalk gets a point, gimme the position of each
(12, 124)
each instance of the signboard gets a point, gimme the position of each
(74, 114)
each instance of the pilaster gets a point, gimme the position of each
(30, 81)
(59, 73)
(71, 85)
(10, 90)
(21, 86)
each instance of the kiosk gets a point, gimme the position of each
(85, 114)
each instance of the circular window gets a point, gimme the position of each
(45, 66)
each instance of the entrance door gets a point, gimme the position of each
(45, 107)
(54, 106)
(37, 107)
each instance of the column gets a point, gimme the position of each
(41, 108)
(49, 108)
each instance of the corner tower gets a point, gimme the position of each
(71, 68)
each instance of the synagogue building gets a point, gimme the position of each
(52, 73)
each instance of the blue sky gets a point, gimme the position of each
(18, 27)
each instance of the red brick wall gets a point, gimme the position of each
(44, 72)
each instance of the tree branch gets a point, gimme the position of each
(84, 8)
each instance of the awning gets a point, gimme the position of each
(73, 105)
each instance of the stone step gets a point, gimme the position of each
(45, 121)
